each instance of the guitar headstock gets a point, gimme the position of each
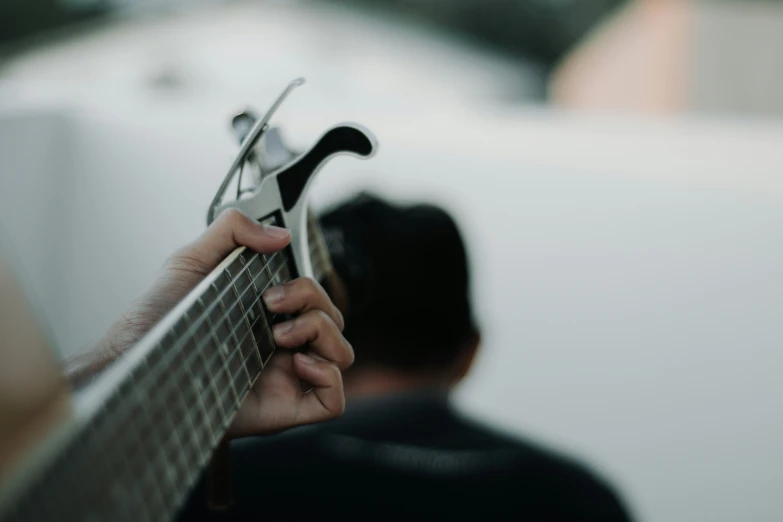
(276, 187)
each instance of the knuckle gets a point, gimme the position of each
(185, 260)
(322, 319)
(232, 217)
(337, 375)
(298, 289)
(308, 287)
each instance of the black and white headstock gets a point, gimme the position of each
(279, 178)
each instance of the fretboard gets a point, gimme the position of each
(145, 430)
(144, 442)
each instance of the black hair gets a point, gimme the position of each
(405, 268)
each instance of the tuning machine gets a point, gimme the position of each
(269, 154)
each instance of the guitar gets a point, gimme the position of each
(132, 444)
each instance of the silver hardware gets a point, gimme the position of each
(283, 175)
(253, 135)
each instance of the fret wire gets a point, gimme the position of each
(241, 321)
(199, 345)
(264, 270)
(163, 444)
(150, 469)
(148, 414)
(136, 488)
(172, 469)
(234, 329)
(172, 474)
(205, 433)
(180, 445)
(182, 404)
(160, 456)
(191, 440)
(173, 424)
(110, 447)
(245, 336)
(222, 348)
(207, 366)
(232, 334)
(175, 437)
(194, 434)
(241, 304)
(190, 332)
(201, 401)
(269, 275)
(200, 396)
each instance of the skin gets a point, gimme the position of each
(317, 327)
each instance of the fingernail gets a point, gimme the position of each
(282, 328)
(305, 358)
(274, 295)
(276, 232)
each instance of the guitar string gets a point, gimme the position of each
(215, 375)
(198, 435)
(226, 316)
(221, 395)
(209, 364)
(202, 434)
(186, 472)
(204, 316)
(163, 446)
(195, 351)
(201, 318)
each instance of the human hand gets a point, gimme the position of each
(277, 400)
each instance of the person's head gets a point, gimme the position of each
(406, 273)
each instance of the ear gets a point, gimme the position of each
(465, 360)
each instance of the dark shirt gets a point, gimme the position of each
(406, 456)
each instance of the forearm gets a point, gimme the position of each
(83, 366)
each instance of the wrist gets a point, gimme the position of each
(81, 367)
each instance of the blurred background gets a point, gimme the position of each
(615, 166)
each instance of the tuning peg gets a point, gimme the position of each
(242, 122)
(274, 151)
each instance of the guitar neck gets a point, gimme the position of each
(148, 426)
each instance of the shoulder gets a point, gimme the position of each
(567, 483)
